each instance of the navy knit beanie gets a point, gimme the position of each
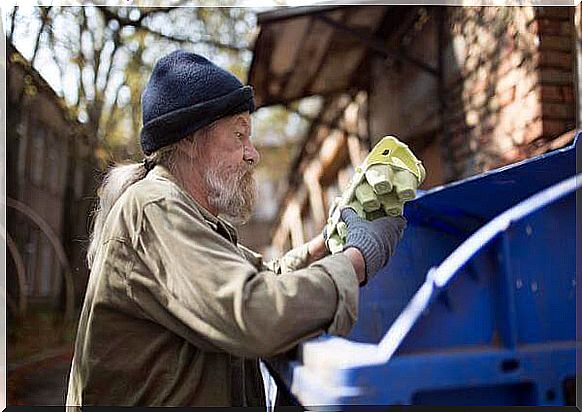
(185, 93)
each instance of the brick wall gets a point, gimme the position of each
(513, 92)
(509, 82)
(555, 29)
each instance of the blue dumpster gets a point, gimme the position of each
(477, 306)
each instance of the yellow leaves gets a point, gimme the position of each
(29, 87)
(77, 59)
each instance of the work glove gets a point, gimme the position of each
(376, 239)
(388, 177)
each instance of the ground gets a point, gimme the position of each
(42, 382)
(39, 353)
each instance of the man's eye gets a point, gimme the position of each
(239, 135)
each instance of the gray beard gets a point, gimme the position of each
(232, 192)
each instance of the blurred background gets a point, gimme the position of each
(469, 89)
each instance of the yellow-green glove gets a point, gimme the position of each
(388, 177)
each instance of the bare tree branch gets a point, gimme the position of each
(52, 42)
(116, 46)
(185, 40)
(108, 75)
(81, 64)
(95, 41)
(95, 107)
(111, 116)
(12, 23)
(123, 21)
(44, 18)
(94, 57)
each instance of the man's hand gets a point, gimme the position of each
(376, 239)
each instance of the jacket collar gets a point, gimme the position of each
(217, 223)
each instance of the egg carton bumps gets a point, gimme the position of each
(381, 185)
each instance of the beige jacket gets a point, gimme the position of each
(177, 313)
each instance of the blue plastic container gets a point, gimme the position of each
(477, 306)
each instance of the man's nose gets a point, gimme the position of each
(251, 155)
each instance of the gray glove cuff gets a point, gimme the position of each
(371, 250)
(376, 240)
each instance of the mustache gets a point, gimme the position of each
(240, 173)
(248, 166)
(245, 169)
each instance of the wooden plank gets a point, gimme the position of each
(311, 178)
(259, 76)
(289, 41)
(342, 60)
(360, 18)
(335, 157)
(295, 224)
(280, 237)
(348, 52)
(350, 117)
(367, 17)
(330, 147)
(290, 223)
(312, 53)
(283, 13)
(356, 151)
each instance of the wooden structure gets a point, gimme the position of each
(467, 88)
(50, 192)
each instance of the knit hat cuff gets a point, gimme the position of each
(177, 124)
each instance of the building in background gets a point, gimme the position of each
(50, 192)
(467, 88)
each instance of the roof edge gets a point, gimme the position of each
(288, 12)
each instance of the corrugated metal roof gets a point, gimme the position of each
(298, 53)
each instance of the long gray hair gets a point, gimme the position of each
(121, 176)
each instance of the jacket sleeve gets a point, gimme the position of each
(198, 284)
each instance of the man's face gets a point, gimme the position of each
(229, 160)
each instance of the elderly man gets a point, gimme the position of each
(177, 312)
